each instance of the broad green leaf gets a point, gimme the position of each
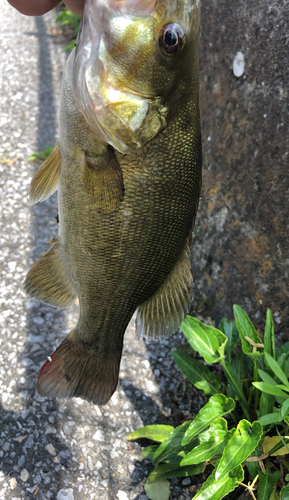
(282, 361)
(275, 496)
(266, 377)
(197, 372)
(205, 451)
(217, 406)
(216, 490)
(212, 442)
(247, 329)
(172, 444)
(208, 388)
(266, 404)
(239, 367)
(270, 389)
(284, 408)
(206, 340)
(284, 387)
(282, 349)
(218, 429)
(230, 330)
(236, 383)
(284, 493)
(269, 340)
(266, 484)
(160, 490)
(154, 432)
(270, 418)
(243, 441)
(149, 451)
(166, 471)
(276, 369)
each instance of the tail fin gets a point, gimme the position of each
(76, 370)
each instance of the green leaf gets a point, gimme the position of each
(266, 484)
(208, 388)
(270, 418)
(266, 404)
(218, 429)
(172, 444)
(276, 369)
(237, 385)
(149, 451)
(269, 340)
(160, 490)
(208, 341)
(215, 490)
(283, 349)
(154, 432)
(230, 330)
(247, 329)
(239, 367)
(205, 451)
(212, 442)
(217, 406)
(197, 373)
(284, 408)
(244, 440)
(270, 389)
(284, 493)
(254, 467)
(166, 471)
(41, 155)
(266, 377)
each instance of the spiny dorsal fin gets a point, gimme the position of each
(162, 314)
(48, 280)
(44, 182)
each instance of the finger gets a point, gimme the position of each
(33, 7)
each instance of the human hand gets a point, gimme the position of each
(39, 7)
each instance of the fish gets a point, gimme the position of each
(127, 170)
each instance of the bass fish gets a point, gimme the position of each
(127, 168)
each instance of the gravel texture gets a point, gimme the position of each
(55, 449)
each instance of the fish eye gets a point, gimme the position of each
(172, 39)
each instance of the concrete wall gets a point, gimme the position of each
(240, 247)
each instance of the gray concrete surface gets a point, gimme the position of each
(55, 449)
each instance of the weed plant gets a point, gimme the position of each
(243, 426)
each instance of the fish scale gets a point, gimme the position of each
(128, 173)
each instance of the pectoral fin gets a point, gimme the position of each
(103, 180)
(44, 183)
(48, 280)
(162, 314)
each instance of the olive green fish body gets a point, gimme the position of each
(127, 203)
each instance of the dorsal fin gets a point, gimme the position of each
(44, 182)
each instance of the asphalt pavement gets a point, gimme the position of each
(58, 449)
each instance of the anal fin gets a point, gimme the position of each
(48, 280)
(162, 314)
(44, 182)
